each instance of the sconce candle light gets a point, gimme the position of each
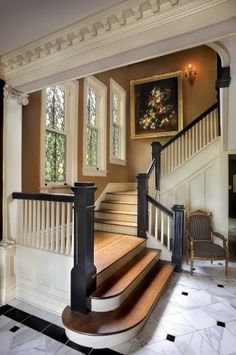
(190, 73)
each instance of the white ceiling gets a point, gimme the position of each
(22, 21)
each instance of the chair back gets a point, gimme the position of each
(198, 225)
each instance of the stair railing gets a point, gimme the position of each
(165, 225)
(63, 223)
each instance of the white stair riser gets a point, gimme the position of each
(118, 206)
(120, 197)
(116, 229)
(109, 304)
(104, 275)
(116, 216)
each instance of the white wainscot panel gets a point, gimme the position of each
(181, 195)
(63, 269)
(196, 192)
(25, 264)
(211, 188)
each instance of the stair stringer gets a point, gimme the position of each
(151, 242)
(200, 183)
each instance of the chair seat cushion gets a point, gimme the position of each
(208, 250)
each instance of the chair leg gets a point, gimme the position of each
(226, 267)
(211, 262)
(191, 266)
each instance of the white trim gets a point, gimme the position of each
(114, 187)
(71, 128)
(55, 57)
(101, 91)
(115, 87)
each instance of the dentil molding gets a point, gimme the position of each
(122, 20)
(10, 93)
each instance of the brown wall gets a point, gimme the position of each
(196, 99)
(31, 144)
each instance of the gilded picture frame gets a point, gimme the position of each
(156, 106)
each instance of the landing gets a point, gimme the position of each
(110, 247)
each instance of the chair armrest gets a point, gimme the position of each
(220, 236)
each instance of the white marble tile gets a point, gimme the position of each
(164, 308)
(176, 325)
(193, 344)
(231, 327)
(220, 339)
(199, 319)
(164, 347)
(6, 338)
(221, 312)
(124, 348)
(3, 321)
(202, 298)
(151, 332)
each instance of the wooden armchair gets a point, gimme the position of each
(200, 239)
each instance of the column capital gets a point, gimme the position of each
(20, 97)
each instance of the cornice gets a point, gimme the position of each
(20, 97)
(128, 18)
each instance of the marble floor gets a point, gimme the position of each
(196, 315)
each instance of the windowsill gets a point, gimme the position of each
(94, 172)
(118, 161)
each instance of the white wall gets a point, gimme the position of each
(201, 183)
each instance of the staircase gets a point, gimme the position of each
(130, 280)
(118, 213)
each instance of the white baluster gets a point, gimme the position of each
(68, 219)
(52, 226)
(168, 233)
(207, 129)
(57, 227)
(34, 224)
(20, 222)
(72, 239)
(156, 223)
(211, 127)
(150, 218)
(29, 239)
(47, 224)
(62, 228)
(43, 225)
(38, 226)
(162, 227)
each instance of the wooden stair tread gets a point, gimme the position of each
(128, 213)
(120, 202)
(115, 222)
(118, 282)
(110, 247)
(124, 193)
(132, 312)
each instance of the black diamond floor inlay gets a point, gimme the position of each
(222, 286)
(185, 293)
(14, 329)
(221, 324)
(103, 352)
(170, 337)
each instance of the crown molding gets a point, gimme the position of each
(70, 46)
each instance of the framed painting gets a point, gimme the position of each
(156, 107)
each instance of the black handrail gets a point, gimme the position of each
(160, 206)
(43, 196)
(190, 125)
(151, 168)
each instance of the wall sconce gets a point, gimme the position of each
(190, 73)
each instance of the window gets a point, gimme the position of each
(59, 135)
(95, 111)
(118, 123)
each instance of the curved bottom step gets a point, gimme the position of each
(99, 329)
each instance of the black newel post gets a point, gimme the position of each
(178, 235)
(156, 154)
(142, 222)
(83, 280)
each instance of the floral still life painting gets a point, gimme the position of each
(156, 105)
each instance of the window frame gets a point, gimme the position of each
(121, 92)
(70, 131)
(101, 125)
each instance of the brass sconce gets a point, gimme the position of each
(190, 73)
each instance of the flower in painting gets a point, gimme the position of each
(159, 111)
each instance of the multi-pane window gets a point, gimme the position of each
(95, 127)
(55, 136)
(115, 125)
(58, 121)
(118, 123)
(92, 129)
